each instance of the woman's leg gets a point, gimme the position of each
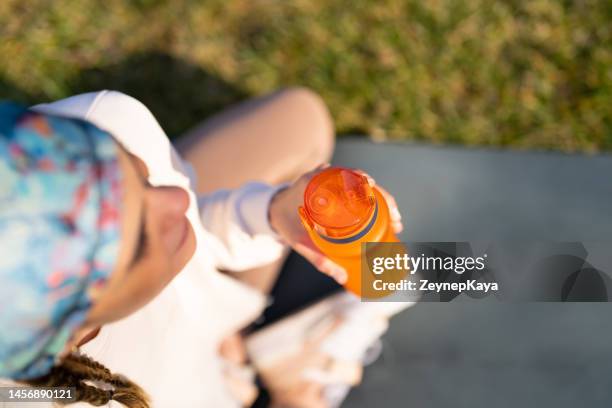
(274, 138)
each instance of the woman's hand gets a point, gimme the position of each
(239, 376)
(303, 395)
(298, 380)
(285, 221)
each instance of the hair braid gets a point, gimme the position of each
(93, 395)
(97, 371)
(80, 370)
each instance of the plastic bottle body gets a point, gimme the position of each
(348, 204)
(348, 254)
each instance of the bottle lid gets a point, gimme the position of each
(339, 202)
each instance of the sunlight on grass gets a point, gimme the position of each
(526, 74)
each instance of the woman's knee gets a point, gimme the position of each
(317, 121)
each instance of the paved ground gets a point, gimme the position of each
(491, 354)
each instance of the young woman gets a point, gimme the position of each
(104, 224)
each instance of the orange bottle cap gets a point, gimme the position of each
(339, 202)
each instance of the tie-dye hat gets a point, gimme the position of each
(60, 199)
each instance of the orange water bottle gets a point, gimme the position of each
(341, 211)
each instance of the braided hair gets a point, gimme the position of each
(82, 372)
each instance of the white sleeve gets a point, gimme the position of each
(239, 219)
(235, 221)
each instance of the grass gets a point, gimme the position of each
(525, 74)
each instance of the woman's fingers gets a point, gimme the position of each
(321, 262)
(232, 348)
(394, 214)
(388, 197)
(371, 180)
(241, 384)
(393, 210)
(306, 394)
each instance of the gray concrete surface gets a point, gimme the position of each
(482, 353)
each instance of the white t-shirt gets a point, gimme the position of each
(170, 346)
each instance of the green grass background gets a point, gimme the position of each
(526, 74)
